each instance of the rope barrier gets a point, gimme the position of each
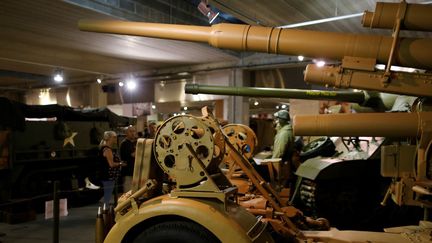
(47, 195)
(56, 204)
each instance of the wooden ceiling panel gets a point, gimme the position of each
(285, 12)
(37, 36)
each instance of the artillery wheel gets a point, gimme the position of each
(243, 138)
(172, 153)
(175, 231)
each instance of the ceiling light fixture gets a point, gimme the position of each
(131, 84)
(99, 79)
(213, 18)
(320, 63)
(58, 75)
(121, 84)
(300, 58)
(320, 21)
(337, 18)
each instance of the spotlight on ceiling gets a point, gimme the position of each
(121, 84)
(300, 58)
(99, 79)
(58, 75)
(131, 84)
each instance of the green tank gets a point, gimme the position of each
(40, 144)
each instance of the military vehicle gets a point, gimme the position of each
(411, 183)
(353, 162)
(43, 143)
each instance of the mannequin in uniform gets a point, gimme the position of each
(283, 147)
(284, 139)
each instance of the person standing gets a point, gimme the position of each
(127, 154)
(151, 130)
(110, 164)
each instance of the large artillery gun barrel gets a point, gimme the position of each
(347, 96)
(409, 52)
(375, 100)
(362, 124)
(413, 16)
(416, 84)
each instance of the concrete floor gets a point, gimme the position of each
(78, 226)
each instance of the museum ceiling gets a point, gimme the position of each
(39, 37)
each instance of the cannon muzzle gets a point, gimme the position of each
(361, 124)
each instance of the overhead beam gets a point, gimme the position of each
(21, 75)
(69, 59)
(253, 62)
(227, 8)
(158, 11)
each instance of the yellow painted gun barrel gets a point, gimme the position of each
(410, 52)
(361, 124)
(413, 16)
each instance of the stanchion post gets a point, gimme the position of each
(115, 191)
(56, 212)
